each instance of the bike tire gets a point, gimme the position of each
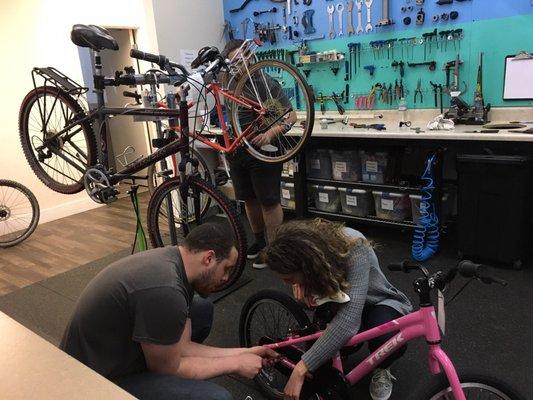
(276, 299)
(6, 212)
(156, 229)
(439, 388)
(74, 183)
(307, 96)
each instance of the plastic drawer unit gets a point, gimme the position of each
(326, 198)
(318, 164)
(358, 202)
(392, 206)
(416, 210)
(287, 195)
(373, 166)
(346, 165)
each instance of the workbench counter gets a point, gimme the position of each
(341, 131)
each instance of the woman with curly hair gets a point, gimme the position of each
(322, 259)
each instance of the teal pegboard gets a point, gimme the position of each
(497, 31)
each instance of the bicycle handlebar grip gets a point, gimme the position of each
(133, 95)
(141, 55)
(468, 269)
(395, 267)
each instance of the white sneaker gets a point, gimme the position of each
(381, 384)
(259, 265)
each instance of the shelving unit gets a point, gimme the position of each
(365, 185)
(367, 219)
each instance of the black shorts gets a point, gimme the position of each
(255, 179)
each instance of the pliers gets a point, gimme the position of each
(419, 90)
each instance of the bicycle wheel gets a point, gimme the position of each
(270, 313)
(279, 88)
(155, 178)
(475, 386)
(166, 228)
(19, 213)
(61, 163)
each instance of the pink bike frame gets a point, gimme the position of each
(421, 323)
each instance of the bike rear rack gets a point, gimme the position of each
(59, 80)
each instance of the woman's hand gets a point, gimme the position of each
(298, 291)
(294, 385)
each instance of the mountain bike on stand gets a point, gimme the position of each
(62, 148)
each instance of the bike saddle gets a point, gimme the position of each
(205, 55)
(92, 36)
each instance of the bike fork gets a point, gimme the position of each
(438, 358)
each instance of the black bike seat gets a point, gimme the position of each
(92, 36)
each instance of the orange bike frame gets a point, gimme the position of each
(229, 144)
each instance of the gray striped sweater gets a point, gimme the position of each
(368, 286)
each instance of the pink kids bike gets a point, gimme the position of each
(274, 319)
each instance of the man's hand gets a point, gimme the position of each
(269, 356)
(261, 139)
(294, 385)
(249, 365)
(298, 291)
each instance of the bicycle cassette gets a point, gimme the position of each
(98, 186)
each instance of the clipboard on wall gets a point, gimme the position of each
(518, 77)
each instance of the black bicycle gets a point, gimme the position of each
(19, 213)
(58, 137)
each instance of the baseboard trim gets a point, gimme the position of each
(67, 209)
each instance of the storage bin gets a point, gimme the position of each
(358, 202)
(373, 166)
(346, 165)
(416, 211)
(287, 195)
(326, 198)
(318, 164)
(393, 206)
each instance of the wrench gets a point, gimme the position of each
(369, 27)
(340, 9)
(331, 10)
(349, 9)
(359, 5)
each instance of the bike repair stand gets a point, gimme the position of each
(140, 237)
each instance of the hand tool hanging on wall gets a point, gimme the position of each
(432, 65)
(480, 111)
(331, 30)
(229, 29)
(244, 25)
(349, 17)
(355, 56)
(241, 7)
(437, 89)
(418, 91)
(336, 99)
(385, 20)
(340, 9)
(289, 7)
(368, 4)
(307, 22)
(396, 64)
(370, 69)
(429, 37)
(271, 10)
(359, 5)
(420, 17)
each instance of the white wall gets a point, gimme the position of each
(188, 25)
(37, 33)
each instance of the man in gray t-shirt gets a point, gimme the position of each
(137, 323)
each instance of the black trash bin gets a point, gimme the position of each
(493, 209)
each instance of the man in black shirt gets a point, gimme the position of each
(256, 182)
(137, 323)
